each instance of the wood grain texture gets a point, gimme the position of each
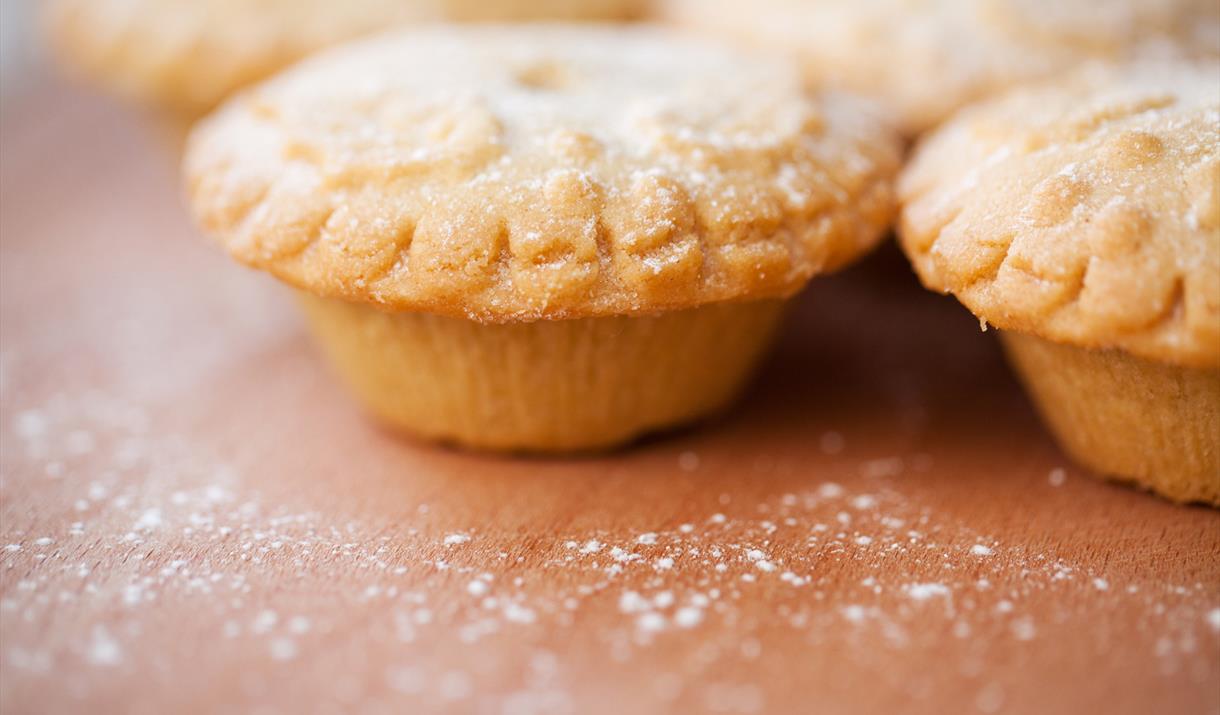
(194, 517)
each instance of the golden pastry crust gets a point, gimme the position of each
(923, 59)
(519, 173)
(546, 386)
(1136, 420)
(1086, 212)
(185, 56)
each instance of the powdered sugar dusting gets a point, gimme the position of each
(924, 591)
(202, 541)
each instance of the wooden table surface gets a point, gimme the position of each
(194, 517)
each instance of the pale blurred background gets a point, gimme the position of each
(19, 53)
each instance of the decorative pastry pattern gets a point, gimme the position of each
(510, 174)
(1085, 212)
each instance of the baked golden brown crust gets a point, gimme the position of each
(519, 173)
(1086, 212)
(923, 59)
(1140, 421)
(547, 386)
(185, 56)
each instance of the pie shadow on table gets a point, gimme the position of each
(875, 384)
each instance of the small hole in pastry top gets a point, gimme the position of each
(543, 76)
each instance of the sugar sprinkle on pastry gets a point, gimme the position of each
(1085, 211)
(513, 173)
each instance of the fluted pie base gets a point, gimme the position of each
(545, 386)
(1153, 424)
